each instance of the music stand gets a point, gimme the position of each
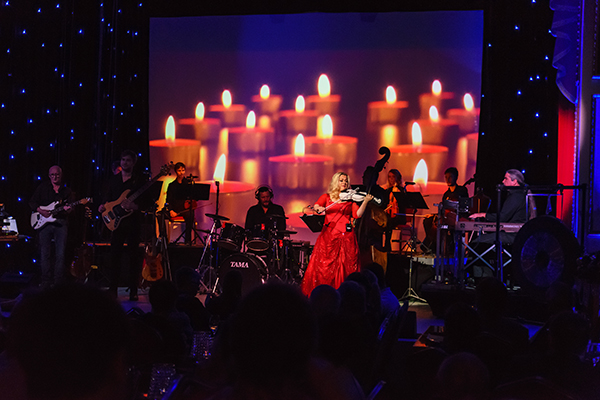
(314, 222)
(193, 191)
(415, 201)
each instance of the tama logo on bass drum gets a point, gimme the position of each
(239, 264)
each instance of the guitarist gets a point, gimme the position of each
(45, 194)
(128, 231)
(179, 204)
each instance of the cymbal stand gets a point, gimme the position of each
(410, 293)
(286, 275)
(275, 264)
(212, 248)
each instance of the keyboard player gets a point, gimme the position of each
(513, 209)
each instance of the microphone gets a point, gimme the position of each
(409, 183)
(190, 176)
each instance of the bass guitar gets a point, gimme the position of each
(38, 220)
(114, 213)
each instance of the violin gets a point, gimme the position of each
(355, 195)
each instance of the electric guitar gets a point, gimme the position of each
(38, 220)
(114, 213)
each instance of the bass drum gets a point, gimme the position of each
(252, 268)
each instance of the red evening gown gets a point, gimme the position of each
(335, 255)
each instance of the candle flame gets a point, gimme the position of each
(421, 174)
(390, 95)
(324, 86)
(299, 146)
(226, 98)
(265, 92)
(300, 104)
(468, 102)
(219, 174)
(200, 111)
(170, 130)
(433, 114)
(436, 87)
(326, 127)
(417, 136)
(251, 120)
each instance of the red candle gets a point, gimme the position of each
(385, 112)
(405, 158)
(436, 98)
(325, 102)
(200, 129)
(230, 114)
(250, 139)
(342, 149)
(441, 132)
(266, 103)
(300, 170)
(467, 118)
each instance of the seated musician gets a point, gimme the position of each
(265, 211)
(454, 193)
(179, 203)
(513, 209)
(396, 213)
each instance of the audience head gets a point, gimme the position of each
(569, 333)
(232, 283)
(272, 336)
(187, 280)
(70, 342)
(377, 269)
(162, 296)
(461, 326)
(353, 299)
(491, 296)
(325, 300)
(463, 376)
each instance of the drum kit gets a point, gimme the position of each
(260, 254)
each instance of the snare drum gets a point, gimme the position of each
(232, 237)
(252, 268)
(257, 238)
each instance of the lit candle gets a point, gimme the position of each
(266, 103)
(325, 102)
(436, 98)
(251, 139)
(297, 121)
(229, 113)
(300, 170)
(467, 118)
(385, 112)
(342, 149)
(163, 151)
(405, 157)
(233, 196)
(466, 155)
(429, 189)
(200, 128)
(210, 151)
(437, 130)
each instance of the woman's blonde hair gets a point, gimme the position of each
(334, 190)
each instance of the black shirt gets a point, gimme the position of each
(459, 193)
(513, 209)
(257, 216)
(116, 186)
(44, 195)
(177, 195)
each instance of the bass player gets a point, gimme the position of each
(44, 195)
(128, 229)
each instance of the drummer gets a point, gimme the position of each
(262, 213)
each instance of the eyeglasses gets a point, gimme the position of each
(54, 174)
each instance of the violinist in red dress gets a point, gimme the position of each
(335, 254)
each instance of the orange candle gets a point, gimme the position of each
(385, 112)
(324, 102)
(230, 114)
(163, 151)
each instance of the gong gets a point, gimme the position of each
(544, 251)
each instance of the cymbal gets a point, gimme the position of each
(278, 216)
(217, 217)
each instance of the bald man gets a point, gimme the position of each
(45, 194)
